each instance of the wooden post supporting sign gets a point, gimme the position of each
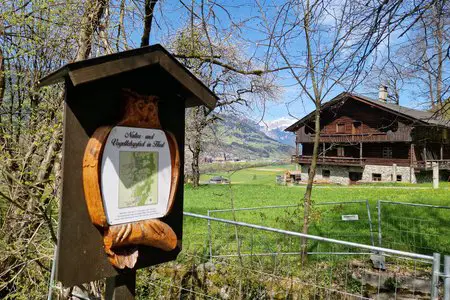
(122, 286)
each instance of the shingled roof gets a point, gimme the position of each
(420, 116)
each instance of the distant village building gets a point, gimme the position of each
(363, 139)
(223, 158)
(220, 158)
(292, 177)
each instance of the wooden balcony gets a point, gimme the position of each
(355, 138)
(329, 160)
(444, 164)
(351, 161)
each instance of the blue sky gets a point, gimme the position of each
(171, 15)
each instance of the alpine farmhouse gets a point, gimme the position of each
(367, 140)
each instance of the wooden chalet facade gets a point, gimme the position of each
(362, 139)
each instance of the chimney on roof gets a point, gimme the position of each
(382, 93)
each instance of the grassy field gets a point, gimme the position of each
(261, 272)
(406, 228)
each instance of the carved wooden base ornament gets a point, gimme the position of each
(130, 177)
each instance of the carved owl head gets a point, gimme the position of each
(140, 109)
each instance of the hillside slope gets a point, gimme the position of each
(243, 139)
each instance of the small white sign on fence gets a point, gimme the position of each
(350, 217)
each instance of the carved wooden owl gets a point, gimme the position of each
(121, 241)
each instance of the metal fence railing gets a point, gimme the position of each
(364, 272)
(446, 277)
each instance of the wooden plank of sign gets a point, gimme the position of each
(80, 256)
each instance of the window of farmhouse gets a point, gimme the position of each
(340, 151)
(387, 152)
(357, 124)
(376, 177)
(399, 178)
(326, 173)
(340, 128)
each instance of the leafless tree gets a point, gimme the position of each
(419, 57)
(329, 46)
(213, 55)
(393, 74)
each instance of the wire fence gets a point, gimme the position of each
(364, 272)
(350, 220)
(254, 253)
(231, 257)
(414, 227)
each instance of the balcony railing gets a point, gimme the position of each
(332, 160)
(358, 137)
(352, 161)
(444, 164)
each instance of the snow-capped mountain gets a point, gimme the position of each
(275, 130)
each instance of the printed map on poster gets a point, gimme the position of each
(138, 173)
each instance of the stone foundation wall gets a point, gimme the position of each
(388, 173)
(340, 174)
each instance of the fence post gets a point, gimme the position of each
(209, 237)
(370, 223)
(52, 275)
(435, 276)
(447, 277)
(435, 166)
(379, 222)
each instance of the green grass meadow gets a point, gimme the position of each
(406, 228)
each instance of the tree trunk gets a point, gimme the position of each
(2, 77)
(149, 7)
(2, 85)
(196, 149)
(198, 121)
(121, 27)
(90, 22)
(307, 197)
(439, 42)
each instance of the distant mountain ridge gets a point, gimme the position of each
(275, 130)
(280, 135)
(239, 138)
